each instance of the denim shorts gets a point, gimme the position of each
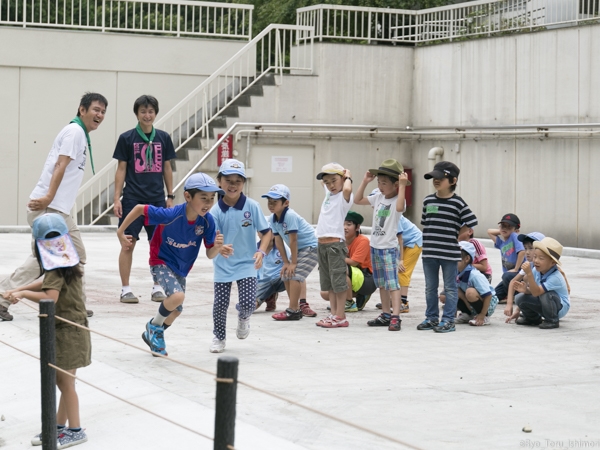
(168, 280)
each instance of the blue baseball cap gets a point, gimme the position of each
(202, 182)
(278, 191)
(466, 246)
(533, 236)
(49, 223)
(232, 167)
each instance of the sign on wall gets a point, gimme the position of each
(281, 164)
(225, 149)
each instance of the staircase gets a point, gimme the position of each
(278, 49)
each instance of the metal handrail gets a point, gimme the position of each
(164, 17)
(444, 23)
(270, 51)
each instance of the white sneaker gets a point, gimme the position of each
(217, 346)
(463, 318)
(486, 321)
(243, 328)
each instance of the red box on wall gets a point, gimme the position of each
(225, 150)
(408, 191)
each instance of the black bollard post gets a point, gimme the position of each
(48, 355)
(227, 371)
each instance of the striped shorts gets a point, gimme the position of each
(385, 268)
(307, 261)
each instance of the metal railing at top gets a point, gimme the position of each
(162, 17)
(447, 23)
(272, 50)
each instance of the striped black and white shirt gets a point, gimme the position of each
(442, 219)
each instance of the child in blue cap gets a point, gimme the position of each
(174, 248)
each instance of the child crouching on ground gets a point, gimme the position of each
(291, 229)
(62, 283)
(174, 248)
(332, 248)
(388, 206)
(480, 262)
(268, 279)
(546, 298)
(476, 297)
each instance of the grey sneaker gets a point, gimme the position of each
(69, 438)
(129, 297)
(444, 327)
(5, 315)
(427, 325)
(158, 296)
(243, 328)
(37, 439)
(217, 346)
(463, 318)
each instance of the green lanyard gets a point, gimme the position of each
(79, 122)
(149, 159)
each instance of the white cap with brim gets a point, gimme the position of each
(331, 169)
(232, 167)
(202, 182)
(468, 248)
(278, 191)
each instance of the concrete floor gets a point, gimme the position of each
(472, 389)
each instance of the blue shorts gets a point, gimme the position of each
(168, 280)
(266, 288)
(136, 226)
(385, 268)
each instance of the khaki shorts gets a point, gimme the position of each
(73, 347)
(332, 266)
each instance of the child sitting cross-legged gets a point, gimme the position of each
(476, 297)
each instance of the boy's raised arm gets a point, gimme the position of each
(136, 212)
(359, 198)
(402, 182)
(493, 233)
(347, 190)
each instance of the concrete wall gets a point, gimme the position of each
(43, 74)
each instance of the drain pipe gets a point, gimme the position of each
(434, 156)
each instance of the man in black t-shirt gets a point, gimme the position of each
(143, 154)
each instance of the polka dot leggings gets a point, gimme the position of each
(245, 306)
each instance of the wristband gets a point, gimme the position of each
(262, 253)
(348, 178)
(171, 196)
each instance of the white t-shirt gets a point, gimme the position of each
(332, 215)
(385, 221)
(71, 142)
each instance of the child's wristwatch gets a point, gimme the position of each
(171, 196)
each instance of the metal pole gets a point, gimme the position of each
(227, 371)
(48, 374)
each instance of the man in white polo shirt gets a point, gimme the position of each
(56, 190)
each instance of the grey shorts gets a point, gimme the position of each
(168, 280)
(332, 266)
(307, 260)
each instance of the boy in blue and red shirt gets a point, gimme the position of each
(174, 248)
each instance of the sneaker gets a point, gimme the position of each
(427, 325)
(5, 315)
(322, 321)
(523, 321)
(379, 321)
(69, 438)
(502, 301)
(217, 346)
(463, 318)
(129, 297)
(157, 296)
(37, 439)
(486, 321)
(89, 312)
(272, 302)
(378, 306)
(395, 324)
(361, 301)
(444, 327)
(307, 310)
(288, 314)
(350, 306)
(336, 322)
(548, 325)
(243, 328)
(155, 339)
(404, 308)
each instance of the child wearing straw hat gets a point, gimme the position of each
(62, 282)
(388, 205)
(546, 298)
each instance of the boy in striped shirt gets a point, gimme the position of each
(444, 213)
